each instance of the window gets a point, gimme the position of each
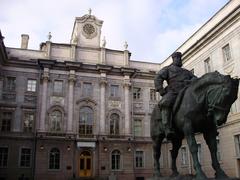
(114, 124)
(25, 160)
(6, 121)
(137, 127)
(226, 53)
(58, 87)
(87, 89)
(114, 91)
(86, 121)
(233, 108)
(116, 160)
(55, 120)
(199, 152)
(31, 85)
(3, 156)
(28, 122)
(207, 65)
(54, 159)
(218, 150)
(10, 84)
(139, 159)
(184, 158)
(136, 93)
(153, 95)
(237, 144)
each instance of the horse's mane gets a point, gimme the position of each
(199, 85)
(212, 78)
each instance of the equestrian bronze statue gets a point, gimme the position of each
(200, 106)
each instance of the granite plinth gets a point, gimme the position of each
(185, 177)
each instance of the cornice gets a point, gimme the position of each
(213, 33)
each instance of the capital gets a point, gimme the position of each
(127, 84)
(103, 81)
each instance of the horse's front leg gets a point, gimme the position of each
(176, 142)
(192, 144)
(210, 138)
(157, 153)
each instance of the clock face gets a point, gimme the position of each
(89, 31)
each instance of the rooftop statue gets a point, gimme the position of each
(190, 105)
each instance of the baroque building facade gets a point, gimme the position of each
(81, 110)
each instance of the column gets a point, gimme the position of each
(71, 82)
(127, 110)
(45, 78)
(103, 82)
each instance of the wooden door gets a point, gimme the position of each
(85, 164)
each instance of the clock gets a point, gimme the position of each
(89, 31)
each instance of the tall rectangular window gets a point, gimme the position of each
(136, 93)
(218, 150)
(114, 91)
(10, 84)
(207, 65)
(227, 53)
(137, 127)
(6, 121)
(237, 144)
(199, 152)
(3, 156)
(31, 85)
(28, 122)
(25, 157)
(87, 89)
(58, 87)
(139, 159)
(184, 156)
(153, 95)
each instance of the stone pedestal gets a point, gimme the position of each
(184, 177)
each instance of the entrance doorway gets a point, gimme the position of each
(85, 164)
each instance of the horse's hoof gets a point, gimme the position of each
(174, 174)
(201, 177)
(157, 174)
(221, 175)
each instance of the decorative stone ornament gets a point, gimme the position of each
(89, 31)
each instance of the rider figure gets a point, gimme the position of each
(177, 78)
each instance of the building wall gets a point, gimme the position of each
(75, 64)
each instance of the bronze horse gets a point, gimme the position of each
(201, 107)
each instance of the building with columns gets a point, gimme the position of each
(81, 110)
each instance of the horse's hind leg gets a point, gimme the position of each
(157, 153)
(210, 139)
(192, 144)
(176, 142)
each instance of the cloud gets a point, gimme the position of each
(167, 42)
(152, 28)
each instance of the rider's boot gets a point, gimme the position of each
(167, 121)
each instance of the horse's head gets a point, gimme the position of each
(220, 99)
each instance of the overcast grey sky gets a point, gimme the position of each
(152, 28)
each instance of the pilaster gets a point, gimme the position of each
(127, 111)
(45, 78)
(103, 82)
(71, 82)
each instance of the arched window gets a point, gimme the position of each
(86, 121)
(55, 120)
(114, 124)
(116, 160)
(54, 159)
